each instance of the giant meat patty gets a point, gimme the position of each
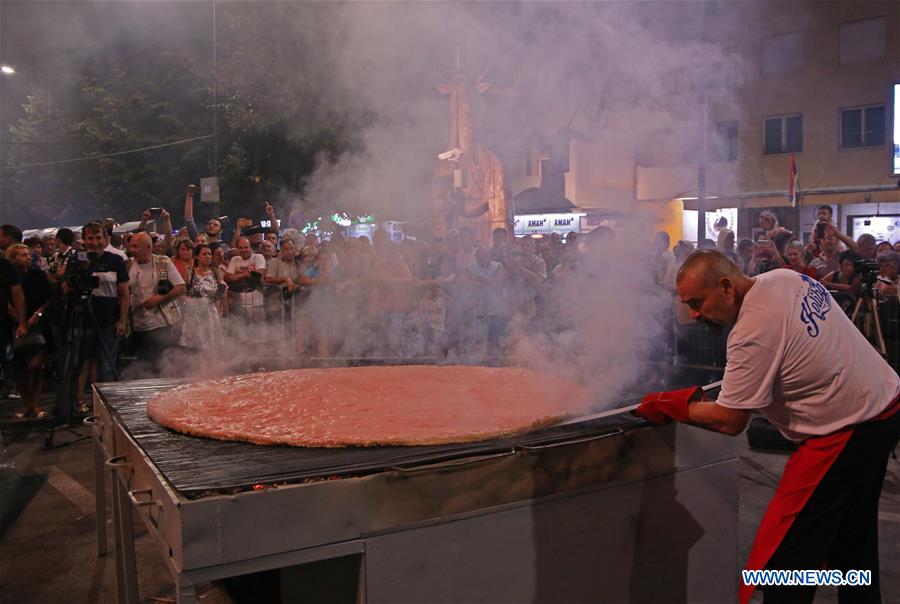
(369, 406)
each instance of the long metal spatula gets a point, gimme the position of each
(627, 409)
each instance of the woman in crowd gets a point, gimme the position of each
(30, 350)
(725, 244)
(845, 283)
(795, 252)
(889, 271)
(202, 329)
(883, 246)
(184, 257)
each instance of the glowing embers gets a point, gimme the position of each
(370, 406)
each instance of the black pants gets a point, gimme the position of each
(838, 527)
(149, 346)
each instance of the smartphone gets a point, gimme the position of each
(820, 230)
(155, 211)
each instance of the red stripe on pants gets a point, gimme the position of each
(803, 473)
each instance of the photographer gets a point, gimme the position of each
(244, 277)
(99, 279)
(154, 285)
(765, 257)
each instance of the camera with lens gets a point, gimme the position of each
(255, 279)
(78, 273)
(867, 269)
(164, 286)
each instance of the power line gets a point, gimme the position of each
(117, 153)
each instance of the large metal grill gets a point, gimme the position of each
(220, 509)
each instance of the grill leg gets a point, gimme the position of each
(186, 593)
(126, 569)
(100, 498)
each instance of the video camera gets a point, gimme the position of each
(867, 269)
(78, 273)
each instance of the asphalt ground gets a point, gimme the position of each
(48, 548)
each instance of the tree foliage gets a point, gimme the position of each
(280, 110)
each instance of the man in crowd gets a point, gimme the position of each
(488, 277)
(528, 272)
(11, 295)
(154, 283)
(9, 234)
(826, 261)
(244, 277)
(48, 247)
(865, 246)
(283, 272)
(108, 303)
(57, 263)
(825, 218)
(213, 226)
(794, 357)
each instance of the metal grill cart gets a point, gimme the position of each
(609, 509)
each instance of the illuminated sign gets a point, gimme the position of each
(534, 224)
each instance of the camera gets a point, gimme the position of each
(78, 272)
(255, 279)
(867, 269)
(164, 286)
(820, 230)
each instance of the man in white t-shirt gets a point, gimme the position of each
(153, 283)
(244, 278)
(797, 359)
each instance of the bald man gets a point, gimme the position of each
(795, 357)
(154, 282)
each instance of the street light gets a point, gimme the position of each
(7, 69)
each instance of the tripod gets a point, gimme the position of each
(79, 314)
(865, 317)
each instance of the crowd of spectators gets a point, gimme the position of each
(845, 266)
(169, 301)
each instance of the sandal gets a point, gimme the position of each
(42, 415)
(83, 408)
(19, 416)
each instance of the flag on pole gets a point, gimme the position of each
(794, 189)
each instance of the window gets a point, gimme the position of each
(864, 40)
(862, 127)
(783, 134)
(724, 145)
(782, 53)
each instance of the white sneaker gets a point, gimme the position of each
(14, 395)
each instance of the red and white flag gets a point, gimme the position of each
(794, 189)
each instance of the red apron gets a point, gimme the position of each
(805, 469)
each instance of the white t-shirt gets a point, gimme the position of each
(256, 262)
(114, 250)
(795, 356)
(142, 284)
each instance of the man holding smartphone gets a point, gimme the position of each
(825, 243)
(214, 226)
